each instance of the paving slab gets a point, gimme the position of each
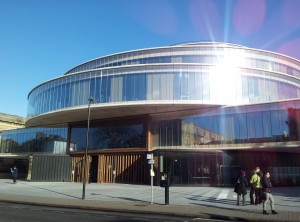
(195, 202)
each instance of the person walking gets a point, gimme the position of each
(259, 185)
(14, 174)
(241, 188)
(267, 185)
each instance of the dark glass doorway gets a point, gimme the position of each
(94, 170)
(199, 169)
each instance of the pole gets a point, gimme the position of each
(151, 173)
(167, 191)
(86, 148)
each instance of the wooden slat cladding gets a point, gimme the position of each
(78, 168)
(128, 168)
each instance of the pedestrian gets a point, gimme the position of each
(258, 193)
(267, 195)
(256, 185)
(14, 174)
(241, 188)
(259, 185)
(253, 185)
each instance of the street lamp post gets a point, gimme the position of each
(86, 147)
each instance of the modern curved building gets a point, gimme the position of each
(205, 110)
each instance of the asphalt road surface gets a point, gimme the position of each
(10, 212)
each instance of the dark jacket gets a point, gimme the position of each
(267, 185)
(15, 172)
(241, 185)
(261, 175)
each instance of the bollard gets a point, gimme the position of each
(167, 194)
(164, 182)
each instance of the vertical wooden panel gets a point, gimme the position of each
(110, 178)
(129, 168)
(98, 171)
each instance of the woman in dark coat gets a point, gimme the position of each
(241, 188)
(14, 174)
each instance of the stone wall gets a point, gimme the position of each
(8, 122)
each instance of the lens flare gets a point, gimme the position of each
(226, 80)
(248, 16)
(290, 13)
(205, 18)
(157, 16)
(291, 48)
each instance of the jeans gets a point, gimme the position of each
(258, 195)
(14, 179)
(252, 191)
(270, 197)
(243, 199)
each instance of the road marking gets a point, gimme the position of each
(223, 194)
(209, 194)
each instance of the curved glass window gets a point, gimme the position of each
(205, 84)
(104, 136)
(277, 122)
(31, 140)
(212, 54)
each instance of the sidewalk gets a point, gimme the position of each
(195, 202)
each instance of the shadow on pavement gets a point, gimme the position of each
(52, 191)
(122, 198)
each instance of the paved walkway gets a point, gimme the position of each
(196, 202)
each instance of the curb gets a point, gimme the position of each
(135, 211)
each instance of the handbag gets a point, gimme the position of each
(237, 184)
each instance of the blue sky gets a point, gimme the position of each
(42, 39)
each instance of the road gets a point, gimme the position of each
(27, 213)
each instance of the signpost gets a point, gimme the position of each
(151, 162)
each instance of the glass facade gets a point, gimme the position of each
(257, 93)
(207, 53)
(205, 74)
(223, 168)
(262, 123)
(113, 135)
(31, 140)
(191, 168)
(228, 126)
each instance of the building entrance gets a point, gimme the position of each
(93, 176)
(199, 169)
